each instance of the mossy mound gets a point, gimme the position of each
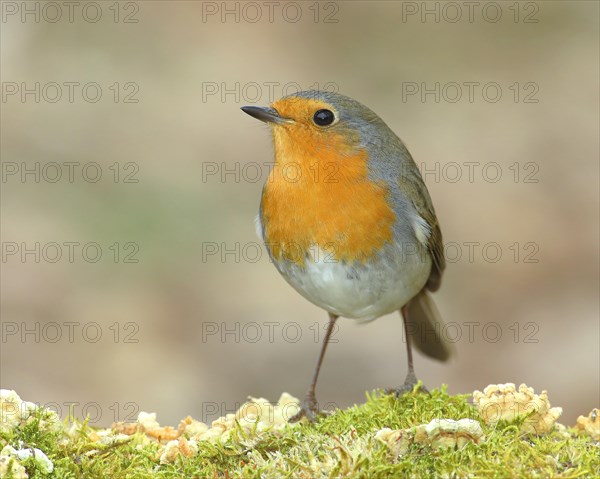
(343, 445)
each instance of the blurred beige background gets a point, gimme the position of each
(161, 319)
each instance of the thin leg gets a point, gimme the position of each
(411, 368)
(411, 379)
(309, 407)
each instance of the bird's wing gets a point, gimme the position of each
(412, 184)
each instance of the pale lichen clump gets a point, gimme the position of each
(14, 413)
(254, 417)
(147, 425)
(397, 440)
(438, 434)
(448, 433)
(42, 462)
(10, 466)
(176, 448)
(503, 402)
(250, 422)
(590, 424)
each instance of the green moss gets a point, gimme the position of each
(339, 445)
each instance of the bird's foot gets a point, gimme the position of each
(411, 384)
(309, 409)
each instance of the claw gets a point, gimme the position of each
(410, 385)
(310, 410)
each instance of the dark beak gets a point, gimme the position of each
(266, 114)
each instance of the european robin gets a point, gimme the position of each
(348, 222)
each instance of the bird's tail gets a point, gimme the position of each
(426, 328)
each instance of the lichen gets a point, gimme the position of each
(503, 402)
(590, 424)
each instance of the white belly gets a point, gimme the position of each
(359, 291)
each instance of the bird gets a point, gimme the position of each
(348, 222)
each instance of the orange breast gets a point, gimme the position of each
(320, 195)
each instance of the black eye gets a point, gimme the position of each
(324, 117)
